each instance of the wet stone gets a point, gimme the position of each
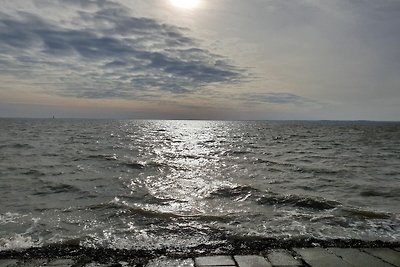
(214, 261)
(171, 263)
(252, 261)
(96, 264)
(358, 258)
(282, 257)
(32, 263)
(123, 263)
(319, 257)
(386, 254)
(60, 263)
(8, 263)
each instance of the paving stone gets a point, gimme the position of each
(214, 261)
(319, 257)
(162, 262)
(281, 257)
(358, 258)
(385, 254)
(252, 261)
(8, 263)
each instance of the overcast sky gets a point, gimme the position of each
(200, 59)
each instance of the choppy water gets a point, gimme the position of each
(150, 184)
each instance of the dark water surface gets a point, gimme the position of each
(177, 184)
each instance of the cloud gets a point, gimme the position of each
(108, 53)
(277, 98)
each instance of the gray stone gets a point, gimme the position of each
(319, 257)
(60, 263)
(397, 249)
(214, 261)
(252, 261)
(163, 262)
(32, 263)
(358, 258)
(8, 263)
(385, 254)
(282, 257)
(96, 264)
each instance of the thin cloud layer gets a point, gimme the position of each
(109, 53)
(276, 99)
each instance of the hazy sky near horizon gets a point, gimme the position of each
(200, 59)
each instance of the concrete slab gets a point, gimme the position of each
(8, 263)
(319, 257)
(358, 258)
(214, 261)
(252, 261)
(281, 257)
(386, 254)
(171, 263)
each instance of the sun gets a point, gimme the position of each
(185, 4)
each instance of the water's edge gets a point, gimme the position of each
(233, 246)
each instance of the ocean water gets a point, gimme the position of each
(180, 184)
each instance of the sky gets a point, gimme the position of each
(201, 59)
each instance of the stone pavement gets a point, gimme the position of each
(306, 257)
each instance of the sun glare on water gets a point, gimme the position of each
(186, 4)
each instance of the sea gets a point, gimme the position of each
(151, 184)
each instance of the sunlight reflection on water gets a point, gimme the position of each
(190, 150)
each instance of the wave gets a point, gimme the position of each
(272, 162)
(52, 188)
(34, 173)
(234, 191)
(238, 152)
(142, 164)
(316, 203)
(101, 156)
(300, 168)
(364, 214)
(159, 211)
(135, 165)
(17, 242)
(271, 198)
(10, 217)
(387, 193)
(17, 146)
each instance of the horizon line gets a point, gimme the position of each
(189, 119)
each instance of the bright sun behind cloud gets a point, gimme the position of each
(186, 4)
